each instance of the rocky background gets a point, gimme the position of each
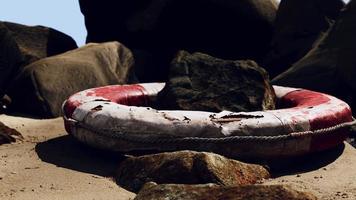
(214, 55)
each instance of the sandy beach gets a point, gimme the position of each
(49, 164)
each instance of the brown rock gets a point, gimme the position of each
(187, 167)
(37, 42)
(10, 59)
(330, 66)
(45, 84)
(201, 82)
(215, 192)
(8, 135)
(156, 29)
(299, 24)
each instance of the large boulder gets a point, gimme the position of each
(156, 29)
(10, 59)
(330, 67)
(187, 167)
(299, 24)
(201, 82)
(42, 86)
(152, 191)
(37, 42)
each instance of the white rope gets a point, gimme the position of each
(114, 134)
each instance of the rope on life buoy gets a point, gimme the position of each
(115, 134)
(119, 118)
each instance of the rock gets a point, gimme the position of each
(297, 31)
(8, 135)
(37, 42)
(156, 29)
(201, 82)
(215, 192)
(5, 101)
(187, 167)
(330, 66)
(42, 86)
(10, 59)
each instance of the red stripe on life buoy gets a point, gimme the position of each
(308, 122)
(303, 98)
(125, 94)
(327, 118)
(121, 94)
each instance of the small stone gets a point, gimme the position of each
(8, 135)
(187, 167)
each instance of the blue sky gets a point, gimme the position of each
(63, 15)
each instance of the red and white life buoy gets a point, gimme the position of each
(119, 118)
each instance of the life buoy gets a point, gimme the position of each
(120, 118)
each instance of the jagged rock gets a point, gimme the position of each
(21, 45)
(42, 86)
(299, 24)
(8, 135)
(330, 66)
(156, 29)
(37, 42)
(10, 59)
(152, 191)
(187, 167)
(201, 82)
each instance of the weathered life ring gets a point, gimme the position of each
(119, 118)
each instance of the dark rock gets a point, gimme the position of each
(10, 59)
(201, 82)
(299, 24)
(330, 67)
(187, 167)
(156, 29)
(36, 42)
(5, 101)
(8, 135)
(42, 86)
(151, 191)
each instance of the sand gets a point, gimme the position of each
(329, 175)
(49, 164)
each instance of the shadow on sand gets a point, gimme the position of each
(68, 153)
(307, 163)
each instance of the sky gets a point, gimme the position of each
(63, 15)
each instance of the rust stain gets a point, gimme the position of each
(97, 108)
(235, 118)
(169, 118)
